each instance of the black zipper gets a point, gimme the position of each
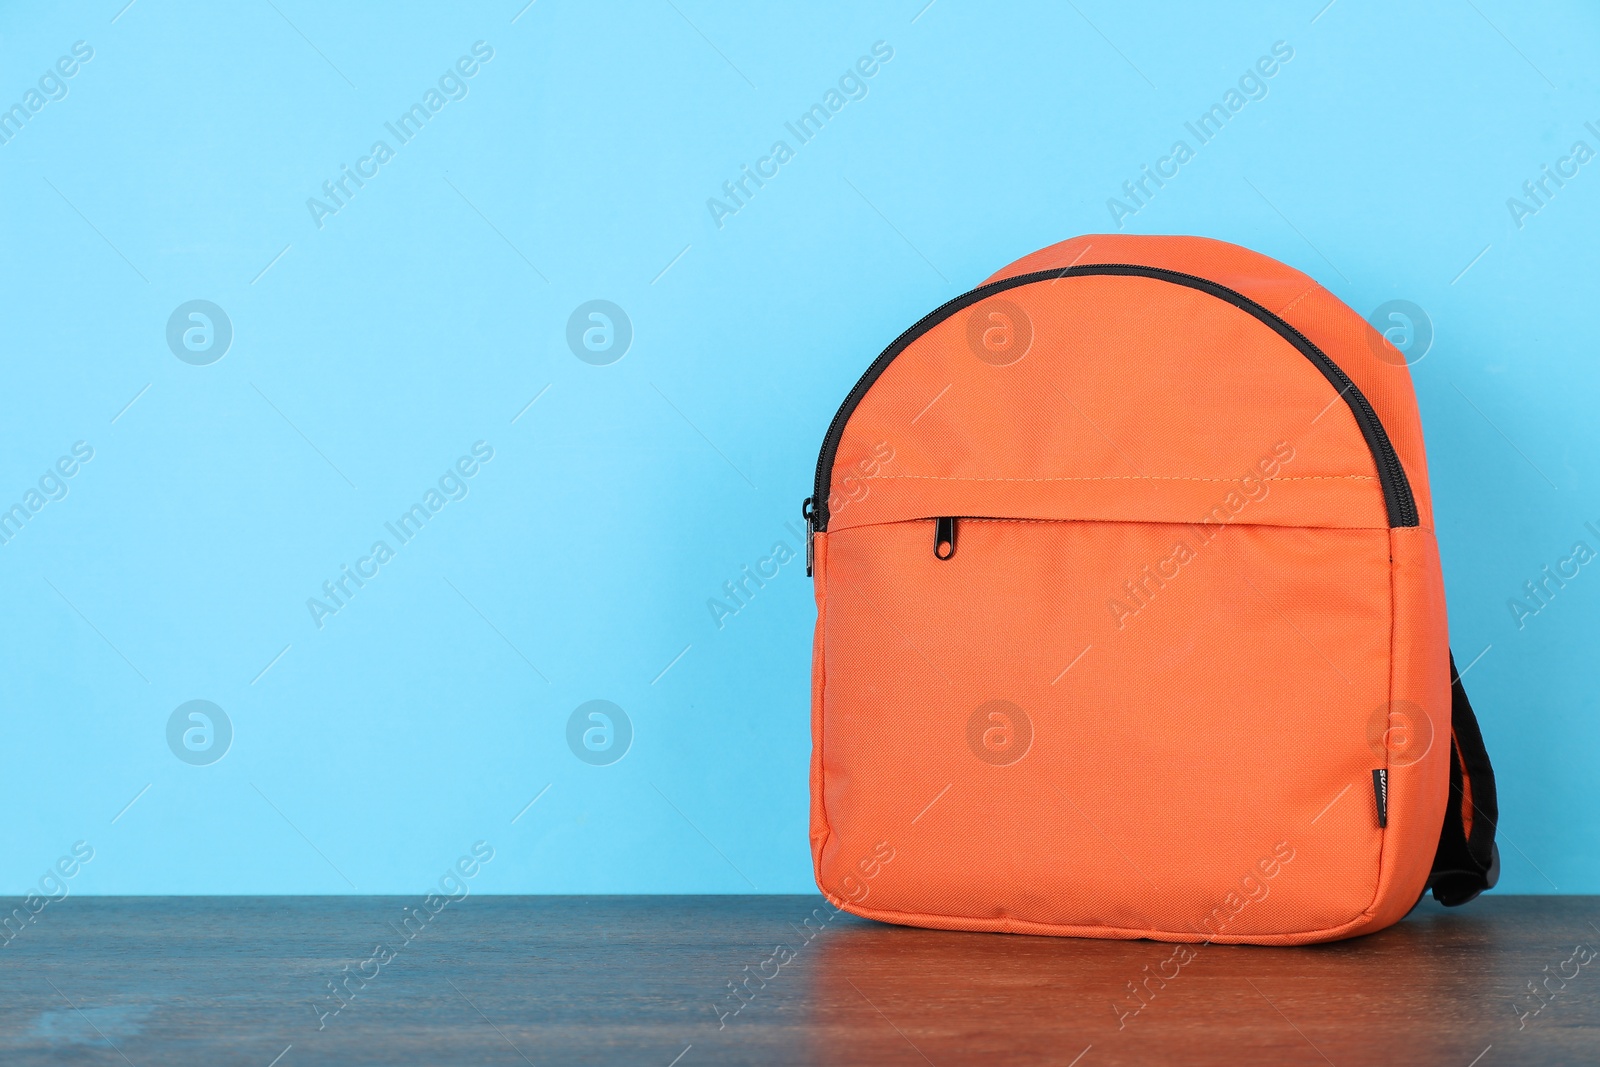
(944, 537)
(1398, 500)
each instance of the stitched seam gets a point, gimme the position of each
(1290, 305)
(1386, 840)
(1046, 522)
(1128, 478)
(915, 918)
(820, 712)
(1115, 522)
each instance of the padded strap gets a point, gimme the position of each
(1467, 861)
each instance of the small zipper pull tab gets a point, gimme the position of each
(809, 515)
(944, 537)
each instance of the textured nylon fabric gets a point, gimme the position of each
(1147, 694)
(1376, 367)
(1138, 399)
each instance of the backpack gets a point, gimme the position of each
(1130, 620)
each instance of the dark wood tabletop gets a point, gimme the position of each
(293, 981)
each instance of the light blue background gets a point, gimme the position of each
(374, 351)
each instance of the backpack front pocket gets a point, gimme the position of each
(1133, 728)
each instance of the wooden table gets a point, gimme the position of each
(155, 981)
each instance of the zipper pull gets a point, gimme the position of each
(809, 515)
(944, 538)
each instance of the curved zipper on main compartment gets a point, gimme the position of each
(1398, 500)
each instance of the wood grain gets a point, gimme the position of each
(641, 980)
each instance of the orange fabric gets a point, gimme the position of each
(1295, 297)
(1146, 695)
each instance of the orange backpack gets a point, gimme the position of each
(1130, 621)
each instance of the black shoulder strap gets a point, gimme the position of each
(1467, 862)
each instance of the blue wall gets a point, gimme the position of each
(383, 337)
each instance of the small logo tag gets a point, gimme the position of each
(1380, 792)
